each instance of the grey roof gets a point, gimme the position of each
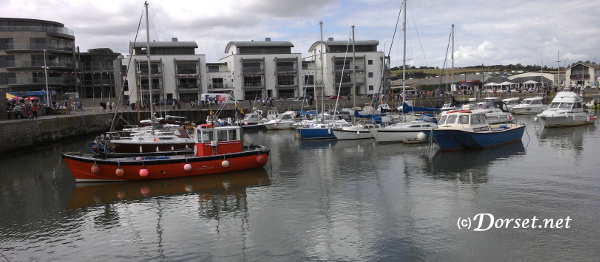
(179, 44)
(344, 43)
(259, 44)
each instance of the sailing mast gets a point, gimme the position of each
(353, 74)
(149, 67)
(404, 63)
(322, 74)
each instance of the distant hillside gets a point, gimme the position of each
(496, 70)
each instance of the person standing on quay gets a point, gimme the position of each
(34, 110)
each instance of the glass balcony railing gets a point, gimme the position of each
(51, 30)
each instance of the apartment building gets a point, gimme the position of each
(35, 54)
(263, 69)
(175, 72)
(334, 67)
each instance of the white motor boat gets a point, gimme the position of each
(495, 110)
(284, 120)
(566, 109)
(531, 105)
(510, 102)
(405, 131)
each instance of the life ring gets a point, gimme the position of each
(451, 111)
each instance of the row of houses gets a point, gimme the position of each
(42, 55)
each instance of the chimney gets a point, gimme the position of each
(174, 39)
(330, 39)
(268, 39)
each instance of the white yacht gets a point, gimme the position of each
(566, 109)
(531, 105)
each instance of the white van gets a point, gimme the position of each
(219, 97)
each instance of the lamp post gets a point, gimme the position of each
(46, 75)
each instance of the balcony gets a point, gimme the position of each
(218, 85)
(50, 30)
(187, 86)
(252, 70)
(38, 47)
(286, 69)
(40, 64)
(253, 85)
(580, 77)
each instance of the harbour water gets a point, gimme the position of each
(320, 201)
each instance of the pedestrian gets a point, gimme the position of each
(79, 105)
(34, 110)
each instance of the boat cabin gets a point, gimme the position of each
(532, 101)
(464, 118)
(212, 140)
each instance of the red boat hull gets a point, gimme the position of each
(96, 169)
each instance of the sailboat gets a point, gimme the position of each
(321, 128)
(147, 137)
(411, 131)
(360, 129)
(217, 149)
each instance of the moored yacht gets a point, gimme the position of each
(566, 109)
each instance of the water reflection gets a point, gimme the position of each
(568, 141)
(209, 188)
(317, 144)
(470, 165)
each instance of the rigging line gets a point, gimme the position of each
(381, 82)
(395, 30)
(443, 68)
(113, 124)
(419, 37)
(341, 78)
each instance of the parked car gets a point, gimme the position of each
(301, 98)
(334, 98)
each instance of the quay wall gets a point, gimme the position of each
(22, 135)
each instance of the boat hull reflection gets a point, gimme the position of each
(92, 194)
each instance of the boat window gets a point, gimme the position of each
(443, 120)
(451, 119)
(577, 105)
(554, 105)
(464, 119)
(222, 135)
(477, 119)
(536, 102)
(566, 105)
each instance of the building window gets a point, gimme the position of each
(369, 62)
(370, 88)
(217, 83)
(6, 44)
(213, 68)
(7, 61)
(370, 74)
(8, 78)
(186, 69)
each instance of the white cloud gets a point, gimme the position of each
(488, 32)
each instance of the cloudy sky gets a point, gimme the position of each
(490, 32)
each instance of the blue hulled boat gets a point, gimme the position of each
(467, 129)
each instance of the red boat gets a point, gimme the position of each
(216, 150)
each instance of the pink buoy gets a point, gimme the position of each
(187, 167)
(138, 158)
(95, 169)
(119, 171)
(261, 160)
(144, 190)
(225, 163)
(143, 172)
